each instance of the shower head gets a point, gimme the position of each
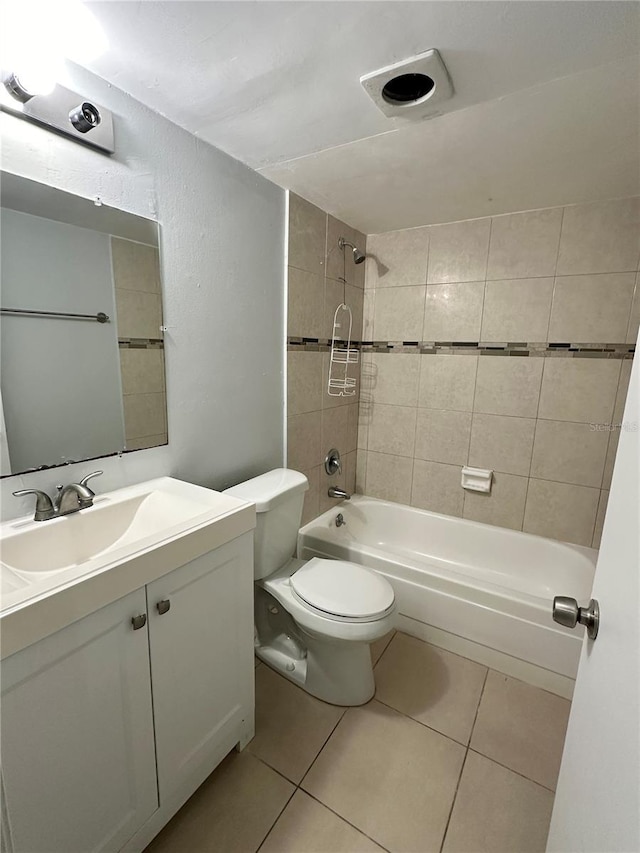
(358, 256)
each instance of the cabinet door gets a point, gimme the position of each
(78, 761)
(201, 662)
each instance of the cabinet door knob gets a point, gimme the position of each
(139, 621)
(163, 606)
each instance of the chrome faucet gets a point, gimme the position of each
(337, 492)
(71, 498)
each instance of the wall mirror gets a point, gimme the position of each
(82, 355)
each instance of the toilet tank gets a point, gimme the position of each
(278, 496)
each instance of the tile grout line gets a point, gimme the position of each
(464, 761)
(511, 770)
(341, 817)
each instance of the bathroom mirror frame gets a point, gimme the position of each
(75, 389)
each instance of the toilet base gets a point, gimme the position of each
(337, 671)
(340, 673)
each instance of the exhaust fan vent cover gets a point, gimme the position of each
(413, 88)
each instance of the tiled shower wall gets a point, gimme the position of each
(136, 275)
(316, 421)
(502, 343)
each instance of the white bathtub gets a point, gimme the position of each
(481, 590)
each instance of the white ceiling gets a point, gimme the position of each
(545, 109)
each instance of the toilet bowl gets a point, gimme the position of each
(314, 619)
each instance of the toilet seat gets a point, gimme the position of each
(342, 590)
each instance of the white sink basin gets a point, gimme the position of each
(126, 529)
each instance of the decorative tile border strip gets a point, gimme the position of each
(508, 348)
(140, 343)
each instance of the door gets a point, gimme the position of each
(597, 805)
(201, 640)
(78, 762)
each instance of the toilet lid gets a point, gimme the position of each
(342, 589)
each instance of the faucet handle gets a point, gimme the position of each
(44, 507)
(85, 480)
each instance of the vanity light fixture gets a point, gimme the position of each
(23, 86)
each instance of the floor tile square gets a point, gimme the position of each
(389, 776)
(291, 725)
(435, 687)
(306, 826)
(232, 810)
(379, 646)
(522, 727)
(497, 811)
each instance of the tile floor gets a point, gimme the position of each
(449, 757)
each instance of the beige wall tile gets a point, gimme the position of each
(304, 382)
(481, 820)
(524, 244)
(504, 506)
(135, 266)
(517, 310)
(144, 415)
(447, 381)
(453, 312)
(334, 431)
(508, 386)
(569, 453)
(634, 319)
(395, 378)
(600, 237)
(305, 821)
(610, 459)
(458, 251)
(350, 467)
(361, 471)
(392, 429)
(623, 388)
(399, 313)
(388, 477)
(521, 727)
(147, 441)
(398, 258)
(376, 743)
(561, 511)
(591, 308)
(352, 427)
(579, 389)
(139, 314)
(443, 436)
(602, 511)
(307, 235)
(311, 508)
(142, 370)
(436, 487)
(304, 448)
(305, 311)
(368, 315)
(446, 700)
(502, 443)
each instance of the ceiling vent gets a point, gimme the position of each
(413, 88)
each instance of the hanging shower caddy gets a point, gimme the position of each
(342, 354)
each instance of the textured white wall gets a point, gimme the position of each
(222, 251)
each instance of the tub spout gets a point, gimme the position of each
(337, 492)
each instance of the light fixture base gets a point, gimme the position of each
(60, 111)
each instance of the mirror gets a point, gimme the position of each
(82, 371)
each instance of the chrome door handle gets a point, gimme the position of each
(566, 612)
(139, 621)
(163, 606)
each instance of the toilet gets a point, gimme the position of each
(314, 619)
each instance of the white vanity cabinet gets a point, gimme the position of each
(201, 641)
(91, 711)
(78, 760)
